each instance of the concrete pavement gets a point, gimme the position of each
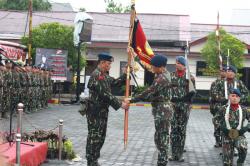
(141, 150)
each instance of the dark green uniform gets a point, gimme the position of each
(239, 143)
(182, 107)
(1, 92)
(97, 114)
(219, 91)
(214, 111)
(159, 96)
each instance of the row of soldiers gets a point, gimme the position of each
(220, 103)
(26, 84)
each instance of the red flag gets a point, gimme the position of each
(140, 44)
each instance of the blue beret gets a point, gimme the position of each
(105, 57)
(224, 68)
(232, 68)
(159, 61)
(235, 91)
(181, 60)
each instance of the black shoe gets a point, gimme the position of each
(172, 158)
(184, 150)
(95, 163)
(181, 159)
(217, 145)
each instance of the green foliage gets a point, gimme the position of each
(82, 9)
(68, 149)
(115, 7)
(54, 36)
(38, 5)
(210, 51)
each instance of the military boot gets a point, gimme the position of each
(218, 142)
(93, 163)
(181, 158)
(240, 164)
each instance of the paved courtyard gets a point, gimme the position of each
(141, 150)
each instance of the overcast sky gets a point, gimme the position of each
(200, 11)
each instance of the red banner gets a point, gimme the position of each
(14, 53)
(140, 44)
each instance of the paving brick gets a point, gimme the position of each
(141, 149)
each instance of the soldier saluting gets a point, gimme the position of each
(233, 116)
(100, 99)
(159, 96)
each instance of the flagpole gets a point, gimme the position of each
(218, 40)
(131, 27)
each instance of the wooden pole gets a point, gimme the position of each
(132, 17)
(30, 31)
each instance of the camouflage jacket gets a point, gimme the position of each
(212, 93)
(1, 78)
(180, 87)
(219, 91)
(234, 117)
(100, 89)
(158, 92)
(16, 80)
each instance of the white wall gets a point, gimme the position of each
(121, 55)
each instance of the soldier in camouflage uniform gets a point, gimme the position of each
(231, 82)
(233, 116)
(28, 89)
(99, 85)
(33, 90)
(15, 94)
(9, 88)
(22, 91)
(181, 98)
(159, 96)
(2, 82)
(214, 111)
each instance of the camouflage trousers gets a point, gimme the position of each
(228, 150)
(97, 127)
(217, 127)
(14, 100)
(162, 120)
(178, 129)
(5, 102)
(1, 99)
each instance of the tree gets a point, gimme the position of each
(227, 41)
(82, 9)
(38, 5)
(55, 35)
(114, 7)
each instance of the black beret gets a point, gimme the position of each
(232, 68)
(159, 61)
(105, 57)
(235, 91)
